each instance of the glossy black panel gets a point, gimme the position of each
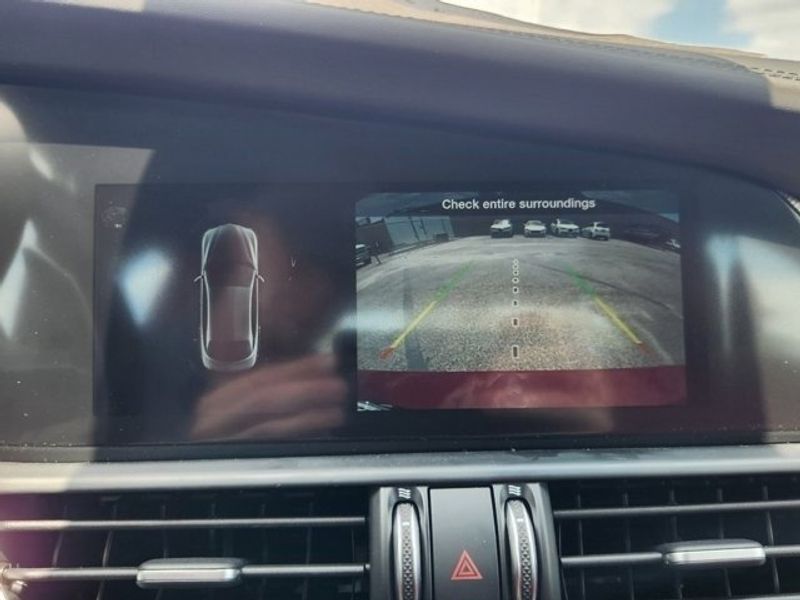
(740, 248)
(219, 311)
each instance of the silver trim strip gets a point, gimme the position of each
(716, 558)
(709, 554)
(189, 572)
(395, 469)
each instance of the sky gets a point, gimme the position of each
(769, 27)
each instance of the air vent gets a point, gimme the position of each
(617, 538)
(284, 545)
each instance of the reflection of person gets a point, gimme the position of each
(296, 397)
(294, 390)
(154, 371)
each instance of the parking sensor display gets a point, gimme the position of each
(476, 300)
(229, 281)
(218, 311)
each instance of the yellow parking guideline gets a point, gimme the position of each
(413, 325)
(612, 314)
(441, 294)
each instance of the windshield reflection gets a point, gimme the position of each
(726, 28)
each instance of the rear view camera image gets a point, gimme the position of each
(492, 300)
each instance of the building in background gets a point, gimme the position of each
(390, 234)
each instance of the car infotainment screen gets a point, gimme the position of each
(277, 312)
(492, 300)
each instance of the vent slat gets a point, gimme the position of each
(782, 551)
(129, 573)
(305, 570)
(769, 597)
(159, 524)
(666, 510)
(639, 558)
(611, 560)
(75, 574)
(295, 544)
(610, 536)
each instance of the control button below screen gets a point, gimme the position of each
(465, 563)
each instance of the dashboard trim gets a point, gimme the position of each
(295, 56)
(376, 470)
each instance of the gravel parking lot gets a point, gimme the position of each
(482, 304)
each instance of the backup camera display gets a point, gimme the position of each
(475, 300)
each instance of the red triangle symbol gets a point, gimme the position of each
(466, 569)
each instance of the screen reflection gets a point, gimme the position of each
(216, 310)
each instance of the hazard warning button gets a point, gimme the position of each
(466, 570)
(465, 564)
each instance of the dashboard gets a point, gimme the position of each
(282, 285)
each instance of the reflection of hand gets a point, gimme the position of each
(277, 401)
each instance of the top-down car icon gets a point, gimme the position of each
(229, 278)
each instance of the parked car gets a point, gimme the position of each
(564, 227)
(501, 228)
(597, 231)
(229, 277)
(534, 228)
(363, 255)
